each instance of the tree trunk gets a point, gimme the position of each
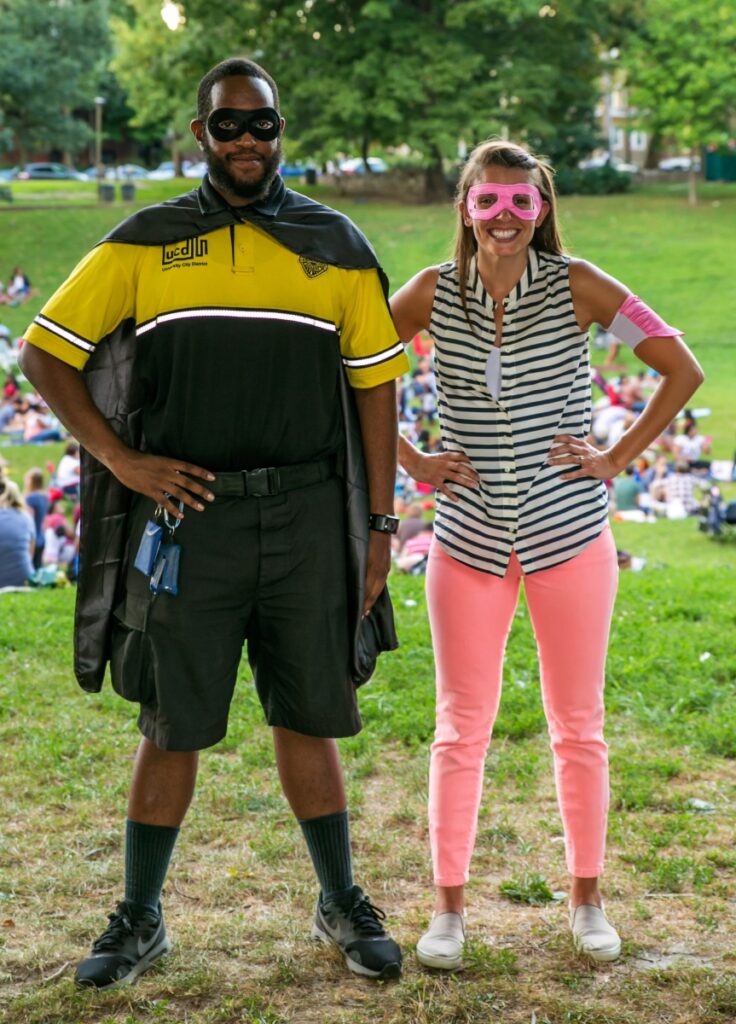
(692, 184)
(435, 186)
(176, 156)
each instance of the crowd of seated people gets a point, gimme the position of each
(24, 416)
(39, 530)
(18, 288)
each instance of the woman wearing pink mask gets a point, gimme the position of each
(521, 496)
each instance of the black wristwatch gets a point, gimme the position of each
(383, 524)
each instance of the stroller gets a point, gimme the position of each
(718, 518)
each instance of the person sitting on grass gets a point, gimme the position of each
(68, 472)
(522, 496)
(413, 555)
(411, 524)
(37, 499)
(11, 387)
(690, 446)
(17, 537)
(626, 490)
(680, 499)
(19, 287)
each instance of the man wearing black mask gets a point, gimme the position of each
(217, 332)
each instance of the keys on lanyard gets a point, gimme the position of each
(157, 557)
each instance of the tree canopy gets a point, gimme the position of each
(51, 58)
(680, 66)
(356, 73)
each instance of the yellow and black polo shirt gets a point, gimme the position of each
(239, 342)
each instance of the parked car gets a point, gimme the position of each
(356, 165)
(196, 170)
(678, 163)
(595, 162)
(90, 173)
(166, 171)
(127, 172)
(7, 173)
(292, 170)
(47, 172)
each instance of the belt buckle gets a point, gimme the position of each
(262, 483)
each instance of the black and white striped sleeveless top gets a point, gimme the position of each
(544, 389)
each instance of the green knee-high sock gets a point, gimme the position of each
(148, 850)
(328, 841)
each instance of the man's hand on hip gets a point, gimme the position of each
(163, 479)
(65, 390)
(378, 567)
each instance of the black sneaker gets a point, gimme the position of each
(127, 948)
(355, 928)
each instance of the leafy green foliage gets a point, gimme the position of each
(680, 68)
(531, 888)
(353, 74)
(595, 181)
(51, 58)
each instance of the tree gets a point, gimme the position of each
(359, 73)
(680, 66)
(51, 56)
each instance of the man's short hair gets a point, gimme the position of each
(227, 69)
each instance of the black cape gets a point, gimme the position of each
(308, 229)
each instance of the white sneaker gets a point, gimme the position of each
(441, 946)
(592, 934)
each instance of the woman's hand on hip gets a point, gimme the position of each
(444, 468)
(583, 458)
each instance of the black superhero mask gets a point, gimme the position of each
(227, 124)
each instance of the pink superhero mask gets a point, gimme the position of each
(486, 201)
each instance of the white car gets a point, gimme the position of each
(196, 170)
(594, 162)
(164, 172)
(127, 172)
(626, 168)
(678, 163)
(356, 165)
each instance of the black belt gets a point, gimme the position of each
(262, 483)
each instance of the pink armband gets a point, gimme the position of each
(635, 321)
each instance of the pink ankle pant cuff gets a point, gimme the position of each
(450, 880)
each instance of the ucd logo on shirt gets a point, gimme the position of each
(189, 251)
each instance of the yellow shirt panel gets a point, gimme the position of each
(238, 268)
(97, 296)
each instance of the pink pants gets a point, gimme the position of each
(470, 614)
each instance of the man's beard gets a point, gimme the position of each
(224, 181)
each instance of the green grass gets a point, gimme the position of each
(240, 893)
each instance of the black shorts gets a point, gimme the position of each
(269, 571)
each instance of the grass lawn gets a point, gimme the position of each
(239, 897)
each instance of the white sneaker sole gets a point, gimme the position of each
(440, 963)
(601, 956)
